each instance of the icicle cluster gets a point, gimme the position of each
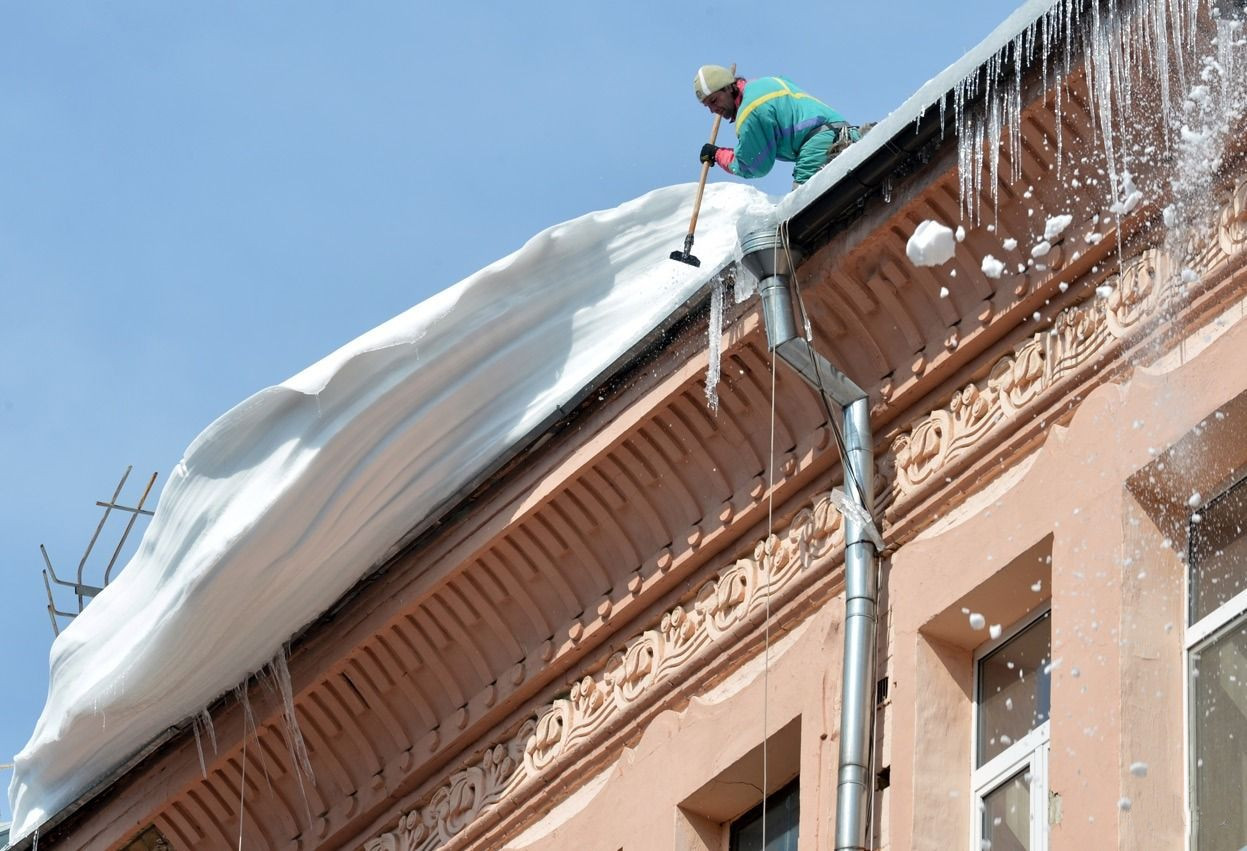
(1112, 41)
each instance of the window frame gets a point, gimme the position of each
(1198, 635)
(790, 789)
(1027, 753)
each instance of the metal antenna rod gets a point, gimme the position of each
(87, 553)
(83, 591)
(133, 517)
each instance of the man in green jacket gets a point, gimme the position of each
(775, 120)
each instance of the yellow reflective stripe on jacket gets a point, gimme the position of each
(740, 119)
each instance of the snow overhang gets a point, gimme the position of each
(898, 144)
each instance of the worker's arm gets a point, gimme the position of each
(720, 156)
(756, 145)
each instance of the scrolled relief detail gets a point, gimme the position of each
(1133, 295)
(629, 677)
(923, 451)
(1232, 233)
(1018, 378)
(1077, 335)
(461, 799)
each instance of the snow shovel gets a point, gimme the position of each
(686, 255)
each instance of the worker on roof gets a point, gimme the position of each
(774, 120)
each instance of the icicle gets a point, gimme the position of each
(298, 748)
(1060, 130)
(209, 726)
(299, 759)
(249, 728)
(715, 346)
(202, 723)
(199, 748)
(1043, 50)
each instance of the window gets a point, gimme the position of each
(1011, 707)
(782, 817)
(1216, 640)
(711, 818)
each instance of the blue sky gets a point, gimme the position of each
(197, 201)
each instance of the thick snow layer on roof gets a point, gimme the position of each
(287, 500)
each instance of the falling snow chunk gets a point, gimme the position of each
(931, 245)
(1104, 291)
(961, 233)
(977, 621)
(1010, 244)
(943, 292)
(1055, 226)
(1194, 499)
(1131, 197)
(1041, 248)
(1037, 587)
(1124, 805)
(992, 267)
(994, 630)
(1138, 769)
(1189, 276)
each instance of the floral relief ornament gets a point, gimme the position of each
(628, 677)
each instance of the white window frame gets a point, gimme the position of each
(1199, 635)
(1029, 753)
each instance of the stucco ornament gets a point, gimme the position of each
(1232, 233)
(631, 678)
(1134, 294)
(1149, 287)
(1019, 378)
(460, 799)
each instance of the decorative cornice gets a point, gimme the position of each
(634, 676)
(1149, 287)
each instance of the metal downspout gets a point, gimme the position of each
(771, 261)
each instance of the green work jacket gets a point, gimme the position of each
(778, 121)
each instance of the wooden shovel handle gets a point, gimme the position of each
(705, 167)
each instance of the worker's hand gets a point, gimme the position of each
(708, 153)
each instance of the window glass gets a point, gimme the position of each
(782, 816)
(1219, 718)
(1218, 552)
(1007, 815)
(1014, 689)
